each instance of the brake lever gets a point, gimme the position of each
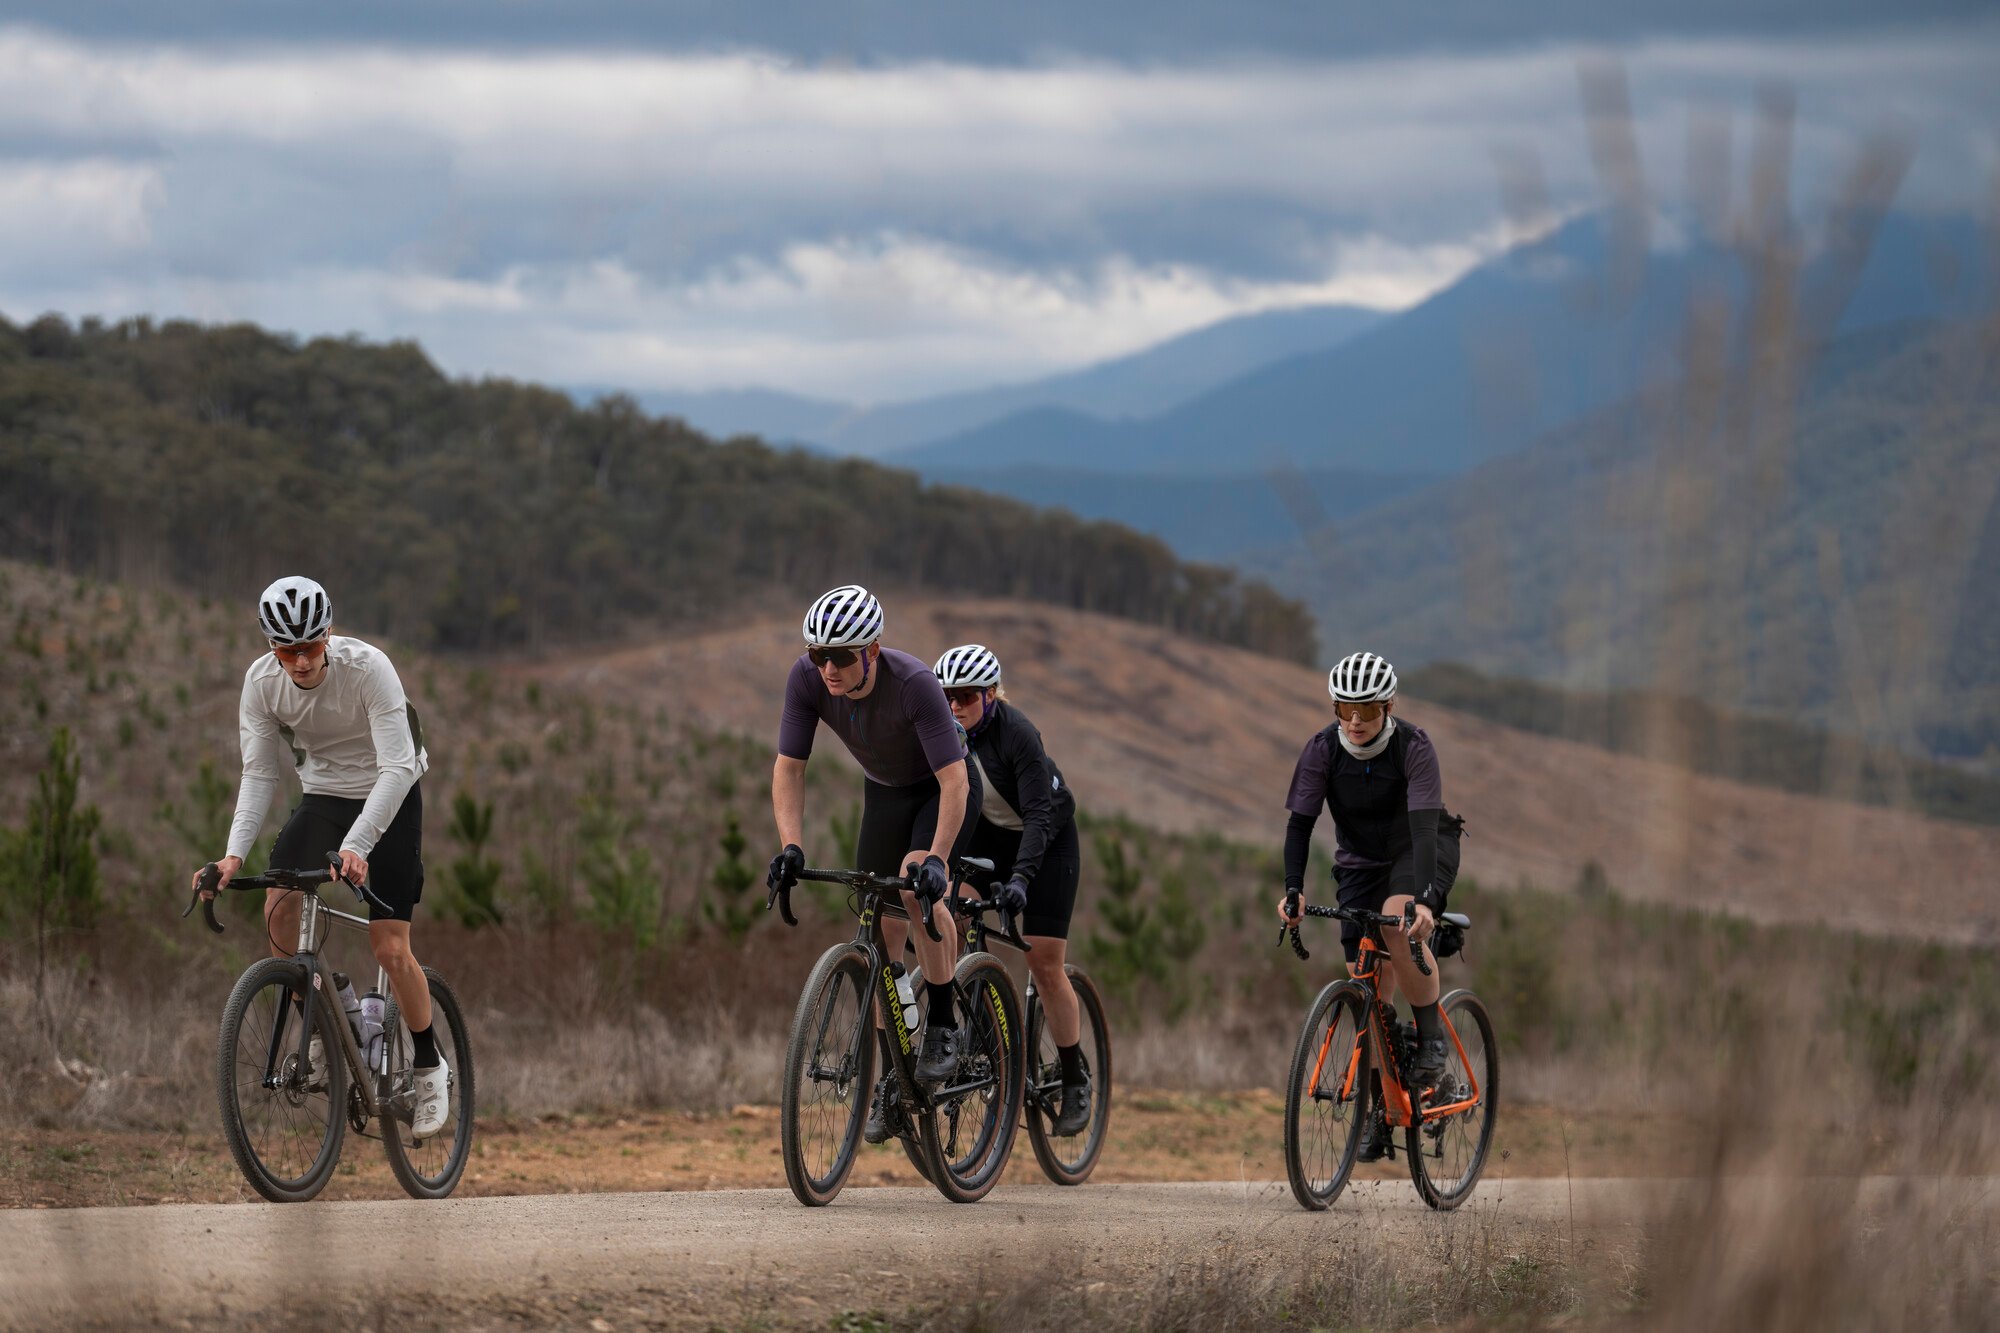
(1416, 949)
(211, 875)
(362, 893)
(1292, 904)
(930, 918)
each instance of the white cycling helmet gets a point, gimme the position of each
(847, 617)
(294, 610)
(970, 665)
(1361, 678)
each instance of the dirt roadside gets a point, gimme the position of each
(1155, 1136)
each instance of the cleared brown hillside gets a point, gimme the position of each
(1185, 736)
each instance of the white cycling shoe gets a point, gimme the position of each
(433, 1087)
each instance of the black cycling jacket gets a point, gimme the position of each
(1010, 750)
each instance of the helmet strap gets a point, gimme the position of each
(986, 711)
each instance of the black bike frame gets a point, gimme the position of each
(876, 899)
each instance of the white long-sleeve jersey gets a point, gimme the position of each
(355, 734)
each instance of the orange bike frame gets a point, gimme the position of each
(1397, 1109)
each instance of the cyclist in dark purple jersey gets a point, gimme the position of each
(1396, 844)
(920, 800)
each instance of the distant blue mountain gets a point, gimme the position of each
(1520, 346)
(1204, 518)
(1143, 383)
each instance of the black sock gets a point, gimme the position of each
(424, 1050)
(1429, 1026)
(940, 1002)
(1072, 1063)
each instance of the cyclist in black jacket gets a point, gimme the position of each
(1027, 828)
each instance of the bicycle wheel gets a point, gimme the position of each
(1326, 1096)
(1447, 1154)
(969, 1133)
(429, 1168)
(1069, 1161)
(283, 1123)
(828, 1066)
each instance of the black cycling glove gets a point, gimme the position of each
(1013, 896)
(785, 868)
(933, 880)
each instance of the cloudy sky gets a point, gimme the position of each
(835, 199)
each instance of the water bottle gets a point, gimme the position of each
(372, 1006)
(908, 994)
(349, 1002)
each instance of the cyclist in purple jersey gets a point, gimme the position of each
(919, 802)
(1395, 843)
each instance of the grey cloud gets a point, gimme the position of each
(980, 31)
(868, 232)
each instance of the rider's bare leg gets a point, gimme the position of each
(1420, 989)
(391, 943)
(1059, 1002)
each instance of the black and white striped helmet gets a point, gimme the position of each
(294, 610)
(1361, 678)
(847, 617)
(970, 665)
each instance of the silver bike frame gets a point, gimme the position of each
(312, 926)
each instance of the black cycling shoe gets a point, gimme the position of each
(884, 1109)
(1374, 1144)
(1075, 1117)
(939, 1060)
(1427, 1066)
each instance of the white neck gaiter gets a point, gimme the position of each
(1374, 747)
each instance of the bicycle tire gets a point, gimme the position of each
(1323, 1128)
(1045, 1079)
(848, 1080)
(449, 1148)
(260, 997)
(990, 1015)
(1455, 1139)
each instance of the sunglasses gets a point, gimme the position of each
(840, 657)
(1364, 712)
(304, 652)
(964, 696)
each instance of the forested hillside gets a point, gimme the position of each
(495, 514)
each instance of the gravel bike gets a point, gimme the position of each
(1066, 1161)
(961, 1131)
(1352, 1051)
(287, 1100)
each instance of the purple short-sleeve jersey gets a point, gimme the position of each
(1370, 799)
(900, 734)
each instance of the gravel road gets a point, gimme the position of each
(484, 1260)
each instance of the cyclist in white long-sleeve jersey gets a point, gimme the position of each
(334, 707)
